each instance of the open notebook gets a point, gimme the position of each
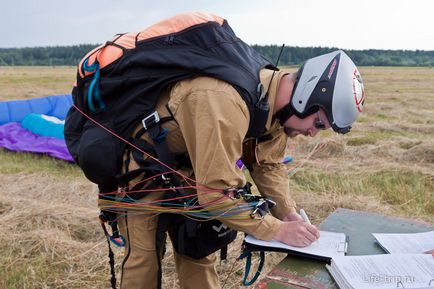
(329, 245)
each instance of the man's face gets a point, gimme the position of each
(308, 126)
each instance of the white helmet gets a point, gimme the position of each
(331, 82)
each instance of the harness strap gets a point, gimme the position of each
(248, 256)
(138, 156)
(111, 261)
(224, 253)
(160, 241)
(152, 125)
(284, 113)
(161, 147)
(110, 218)
(249, 158)
(150, 122)
(123, 179)
(181, 237)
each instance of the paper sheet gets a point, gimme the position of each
(406, 243)
(329, 244)
(383, 271)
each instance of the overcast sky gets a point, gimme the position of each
(347, 24)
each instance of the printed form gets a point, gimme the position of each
(383, 271)
(406, 243)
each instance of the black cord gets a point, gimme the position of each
(111, 259)
(275, 68)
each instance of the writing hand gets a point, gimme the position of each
(294, 216)
(297, 233)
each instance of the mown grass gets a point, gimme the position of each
(363, 140)
(12, 162)
(409, 144)
(372, 137)
(31, 82)
(412, 192)
(27, 274)
(43, 271)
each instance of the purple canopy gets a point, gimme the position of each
(16, 138)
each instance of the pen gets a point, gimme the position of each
(305, 217)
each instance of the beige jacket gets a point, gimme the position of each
(211, 123)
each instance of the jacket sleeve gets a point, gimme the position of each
(271, 176)
(214, 119)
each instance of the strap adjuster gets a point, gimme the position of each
(262, 208)
(151, 119)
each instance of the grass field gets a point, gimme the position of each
(51, 237)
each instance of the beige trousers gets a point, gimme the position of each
(140, 265)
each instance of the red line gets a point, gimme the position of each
(127, 142)
(171, 170)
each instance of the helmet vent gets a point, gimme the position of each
(312, 78)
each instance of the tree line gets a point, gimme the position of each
(71, 55)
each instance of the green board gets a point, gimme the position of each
(301, 273)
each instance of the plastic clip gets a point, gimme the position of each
(262, 208)
(118, 242)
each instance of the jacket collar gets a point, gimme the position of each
(265, 77)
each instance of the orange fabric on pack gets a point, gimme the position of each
(107, 54)
(178, 23)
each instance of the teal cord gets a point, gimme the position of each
(248, 255)
(94, 92)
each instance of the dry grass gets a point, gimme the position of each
(35, 81)
(51, 237)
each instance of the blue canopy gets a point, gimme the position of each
(16, 110)
(24, 128)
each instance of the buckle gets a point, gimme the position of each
(234, 193)
(167, 181)
(262, 208)
(151, 119)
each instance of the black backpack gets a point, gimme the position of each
(119, 82)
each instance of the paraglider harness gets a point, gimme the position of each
(119, 83)
(195, 239)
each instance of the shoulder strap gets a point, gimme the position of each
(284, 113)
